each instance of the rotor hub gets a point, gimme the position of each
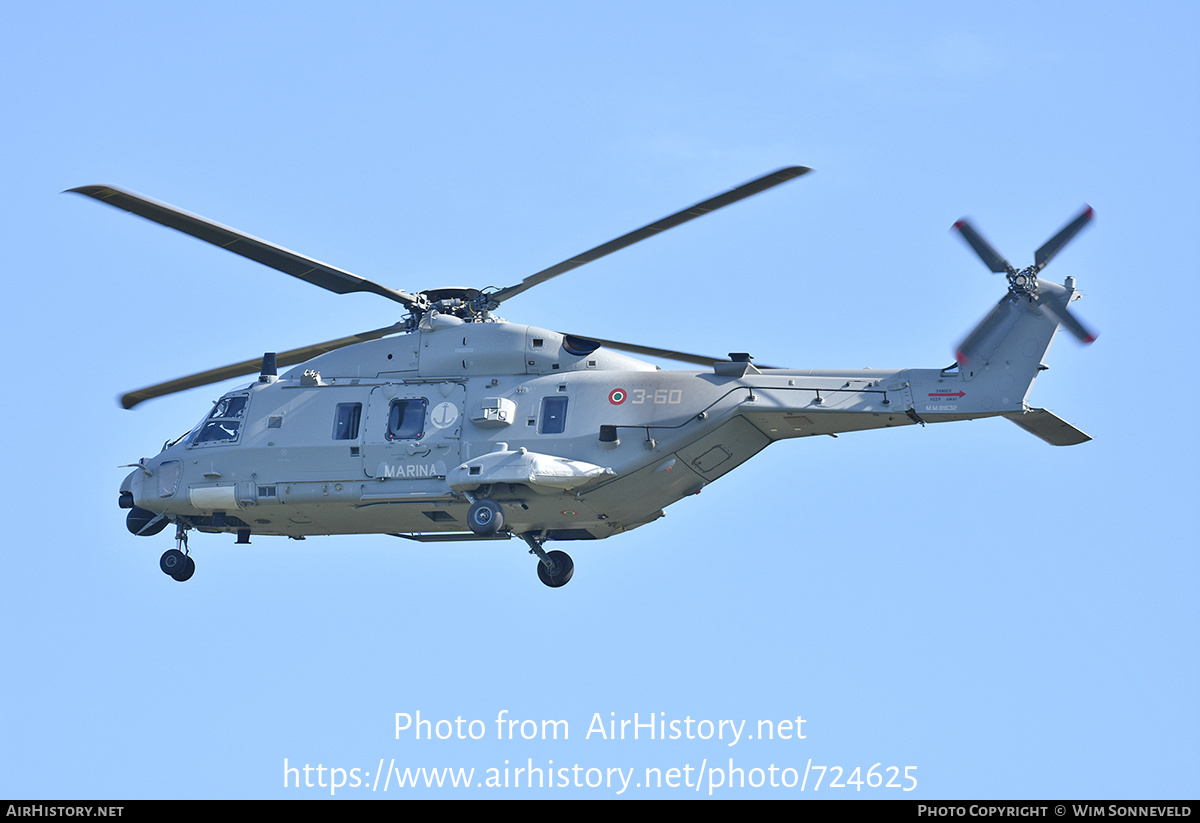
(1024, 282)
(468, 304)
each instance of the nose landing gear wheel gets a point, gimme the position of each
(177, 565)
(189, 568)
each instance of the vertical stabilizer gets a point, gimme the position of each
(1003, 354)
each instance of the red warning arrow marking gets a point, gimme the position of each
(959, 394)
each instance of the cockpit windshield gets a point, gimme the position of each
(224, 421)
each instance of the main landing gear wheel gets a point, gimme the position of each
(554, 568)
(178, 565)
(485, 517)
(562, 567)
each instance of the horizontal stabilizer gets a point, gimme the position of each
(1048, 426)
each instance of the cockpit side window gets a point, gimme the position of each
(224, 422)
(406, 419)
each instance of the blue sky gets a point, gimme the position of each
(1011, 619)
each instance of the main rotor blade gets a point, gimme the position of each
(289, 262)
(990, 257)
(1054, 245)
(665, 354)
(692, 212)
(287, 358)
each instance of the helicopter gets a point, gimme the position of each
(453, 424)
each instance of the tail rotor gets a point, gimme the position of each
(1049, 298)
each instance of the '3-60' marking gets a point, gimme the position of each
(659, 397)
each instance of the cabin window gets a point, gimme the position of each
(406, 420)
(554, 415)
(224, 421)
(345, 421)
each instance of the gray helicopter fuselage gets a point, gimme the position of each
(454, 425)
(399, 435)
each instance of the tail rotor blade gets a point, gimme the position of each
(990, 257)
(1068, 321)
(1055, 244)
(984, 338)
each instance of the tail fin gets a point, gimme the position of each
(1004, 353)
(1024, 288)
(1014, 336)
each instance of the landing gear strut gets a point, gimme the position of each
(176, 562)
(554, 568)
